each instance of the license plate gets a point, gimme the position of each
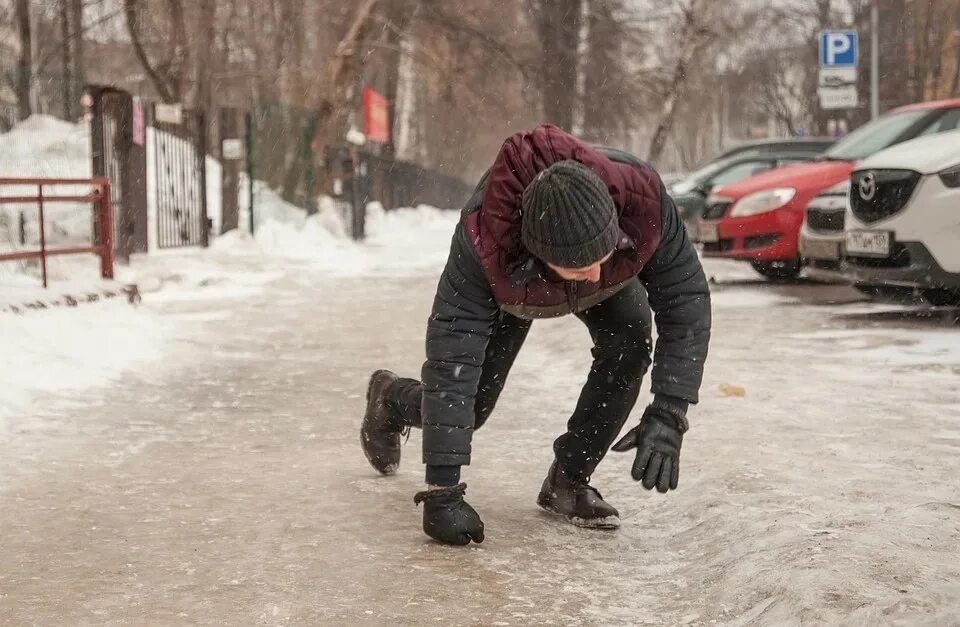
(820, 249)
(707, 232)
(869, 243)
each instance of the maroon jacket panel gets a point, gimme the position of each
(494, 230)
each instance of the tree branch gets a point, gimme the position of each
(131, 9)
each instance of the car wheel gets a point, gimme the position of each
(777, 270)
(941, 297)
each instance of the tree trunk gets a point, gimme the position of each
(692, 41)
(204, 55)
(66, 68)
(180, 51)
(131, 10)
(332, 112)
(955, 87)
(398, 16)
(607, 102)
(558, 30)
(77, 51)
(25, 61)
(820, 116)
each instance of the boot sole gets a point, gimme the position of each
(390, 469)
(607, 523)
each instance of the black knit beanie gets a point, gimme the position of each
(569, 219)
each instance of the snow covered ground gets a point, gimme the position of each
(63, 349)
(217, 478)
(97, 342)
(195, 459)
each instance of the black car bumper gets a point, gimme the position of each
(910, 265)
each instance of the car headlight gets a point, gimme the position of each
(761, 202)
(951, 176)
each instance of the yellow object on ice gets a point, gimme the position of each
(732, 390)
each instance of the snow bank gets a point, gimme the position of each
(45, 147)
(397, 242)
(68, 350)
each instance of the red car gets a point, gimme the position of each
(759, 219)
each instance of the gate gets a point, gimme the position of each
(119, 157)
(179, 149)
(159, 199)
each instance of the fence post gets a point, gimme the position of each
(308, 162)
(248, 135)
(135, 185)
(105, 227)
(116, 157)
(230, 163)
(357, 200)
(43, 237)
(201, 139)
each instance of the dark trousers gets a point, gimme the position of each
(620, 327)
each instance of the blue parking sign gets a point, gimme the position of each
(838, 48)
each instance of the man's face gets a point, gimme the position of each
(590, 273)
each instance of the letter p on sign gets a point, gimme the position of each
(838, 48)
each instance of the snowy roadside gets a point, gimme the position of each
(66, 349)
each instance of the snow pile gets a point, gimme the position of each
(397, 242)
(62, 350)
(44, 147)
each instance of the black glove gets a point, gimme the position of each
(657, 439)
(447, 517)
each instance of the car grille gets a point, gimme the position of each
(761, 241)
(879, 194)
(825, 220)
(718, 247)
(716, 210)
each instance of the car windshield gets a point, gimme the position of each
(697, 177)
(874, 137)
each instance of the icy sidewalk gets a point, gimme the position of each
(224, 482)
(66, 349)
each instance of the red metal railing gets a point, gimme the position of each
(99, 196)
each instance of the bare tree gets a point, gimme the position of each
(24, 81)
(167, 75)
(557, 25)
(331, 113)
(694, 37)
(610, 97)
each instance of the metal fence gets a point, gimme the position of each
(279, 152)
(156, 159)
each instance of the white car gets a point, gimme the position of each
(821, 236)
(902, 228)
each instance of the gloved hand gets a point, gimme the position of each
(657, 439)
(447, 517)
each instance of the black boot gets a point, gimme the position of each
(381, 428)
(576, 500)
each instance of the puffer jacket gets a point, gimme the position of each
(488, 270)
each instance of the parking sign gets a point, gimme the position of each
(838, 48)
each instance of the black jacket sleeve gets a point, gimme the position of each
(457, 334)
(680, 300)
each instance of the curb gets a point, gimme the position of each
(131, 291)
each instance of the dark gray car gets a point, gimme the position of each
(691, 193)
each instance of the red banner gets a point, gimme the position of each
(376, 117)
